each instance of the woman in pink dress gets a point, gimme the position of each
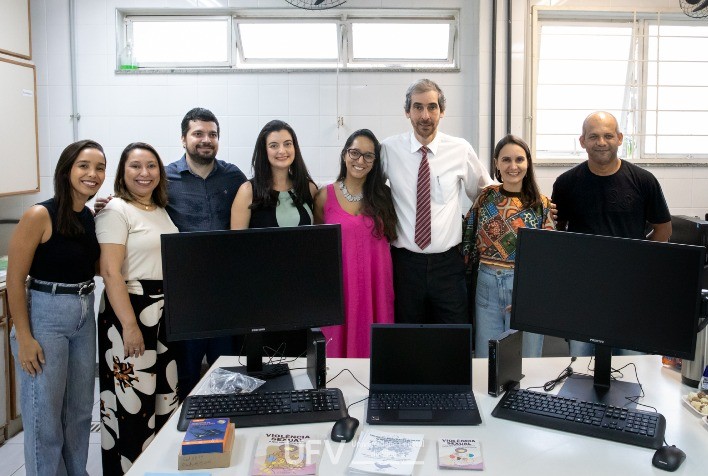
(361, 202)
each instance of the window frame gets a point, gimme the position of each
(642, 21)
(129, 20)
(343, 18)
(421, 63)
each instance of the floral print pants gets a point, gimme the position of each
(138, 394)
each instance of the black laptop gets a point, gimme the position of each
(421, 374)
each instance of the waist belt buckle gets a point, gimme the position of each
(87, 288)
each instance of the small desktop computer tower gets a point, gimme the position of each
(504, 362)
(316, 359)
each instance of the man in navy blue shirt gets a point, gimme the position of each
(200, 191)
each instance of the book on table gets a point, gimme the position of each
(207, 443)
(460, 453)
(206, 435)
(285, 454)
(382, 452)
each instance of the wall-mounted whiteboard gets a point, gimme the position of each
(19, 162)
(15, 28)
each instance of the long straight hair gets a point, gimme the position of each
(376, 202)
(68, 223)
(263, 194)
(530, 194)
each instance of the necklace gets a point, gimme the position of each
(349, 196)
(146, 205)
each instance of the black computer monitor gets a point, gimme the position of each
(691, 231)
(613, 292)
(252, 282)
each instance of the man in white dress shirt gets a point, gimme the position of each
(429, 274)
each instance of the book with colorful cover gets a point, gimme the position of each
(285, 454)
(460, 453)
(382, 452)
(206, 435)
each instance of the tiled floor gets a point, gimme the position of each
(12, 458)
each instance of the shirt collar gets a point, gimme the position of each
(182, 166)
(432, 147)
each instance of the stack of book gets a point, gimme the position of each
(207, 444)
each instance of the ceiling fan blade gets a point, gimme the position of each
(701, 6)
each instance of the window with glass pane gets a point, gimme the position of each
(193, 42)
(677, 90)
(581, 68)
(649, 72)
(288, 41)
(275, 40)
(413, 41)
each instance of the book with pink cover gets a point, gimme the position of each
(280, 454)
(460, 453)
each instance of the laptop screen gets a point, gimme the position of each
(421, 357)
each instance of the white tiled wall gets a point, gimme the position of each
(118, 109)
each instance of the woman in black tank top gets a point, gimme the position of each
(54, 335)
(281, 191)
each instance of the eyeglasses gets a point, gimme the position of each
(354, 154)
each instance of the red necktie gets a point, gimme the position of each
(422, 206)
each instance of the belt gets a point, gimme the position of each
(81, 289)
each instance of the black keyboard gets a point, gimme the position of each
(422, 401)
(266, 409)
(634, 427)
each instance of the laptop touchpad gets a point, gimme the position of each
(415, 414)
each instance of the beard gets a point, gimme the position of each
(205, 156)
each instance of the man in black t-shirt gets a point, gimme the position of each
(609, 196)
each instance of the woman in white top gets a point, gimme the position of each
(137, 369)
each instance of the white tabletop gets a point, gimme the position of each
(508, 447)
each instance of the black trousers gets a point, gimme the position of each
(429, 287)
(190, 353)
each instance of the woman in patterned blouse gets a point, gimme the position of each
(499, 211)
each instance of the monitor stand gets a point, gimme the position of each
(277, 376)
(598, 388)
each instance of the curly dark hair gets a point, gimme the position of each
(376, 202)
(263, 194)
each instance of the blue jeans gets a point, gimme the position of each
(56, 404)
(494, 286)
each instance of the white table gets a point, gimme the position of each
(508, 447)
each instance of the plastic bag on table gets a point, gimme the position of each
(222, 381)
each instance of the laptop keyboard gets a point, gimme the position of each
(422, 401)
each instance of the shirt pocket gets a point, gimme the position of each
(444, 188)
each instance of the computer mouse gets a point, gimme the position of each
(668, 458)
(344, 429)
